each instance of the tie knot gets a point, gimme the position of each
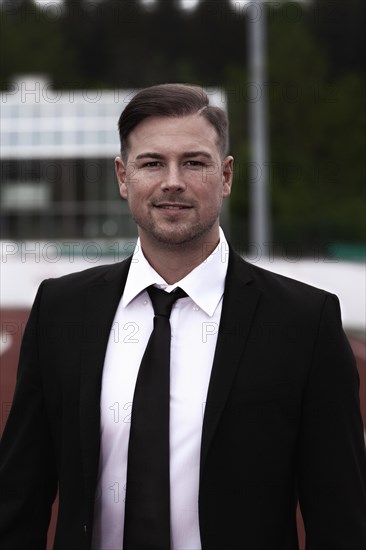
(163, 301)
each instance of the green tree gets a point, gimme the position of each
(316, 135)
(32, 42)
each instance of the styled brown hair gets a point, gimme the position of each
(171, 100)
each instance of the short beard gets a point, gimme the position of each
(179, 239)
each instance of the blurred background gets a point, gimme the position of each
(290, 75)
(314, 86)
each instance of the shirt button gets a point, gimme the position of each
(145, 302)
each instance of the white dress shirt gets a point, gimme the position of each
(194, 326)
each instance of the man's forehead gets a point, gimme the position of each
(189, 131)
(174, 124)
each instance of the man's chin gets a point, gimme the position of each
(179, 237)
(176, 235)
(173, 240)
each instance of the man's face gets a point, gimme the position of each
(175, 180)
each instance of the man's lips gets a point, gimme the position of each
(172, 206)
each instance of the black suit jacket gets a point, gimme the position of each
(282, 418)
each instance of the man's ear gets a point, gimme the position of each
(121, 174)
(227, 175)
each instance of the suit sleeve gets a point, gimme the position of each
(27, 466)
(332, 458)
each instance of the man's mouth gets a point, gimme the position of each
(172, 206)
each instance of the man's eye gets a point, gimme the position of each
(194, 163)
(151, 164)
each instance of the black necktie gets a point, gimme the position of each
(147, 509)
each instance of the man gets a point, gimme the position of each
(263, 398)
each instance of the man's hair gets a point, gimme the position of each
(171, 100)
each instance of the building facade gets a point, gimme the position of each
(57, 169)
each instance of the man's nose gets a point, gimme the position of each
(173, 180)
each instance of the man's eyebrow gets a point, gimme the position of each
(197, 154)
(187, 154)
(149, 156)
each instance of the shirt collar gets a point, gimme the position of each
(204, 284)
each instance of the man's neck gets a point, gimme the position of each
(173, 263)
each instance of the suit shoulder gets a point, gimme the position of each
(283, 289)
(288, 284)
(94, 275)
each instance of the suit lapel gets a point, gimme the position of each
(238, 310)
(102, 300)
